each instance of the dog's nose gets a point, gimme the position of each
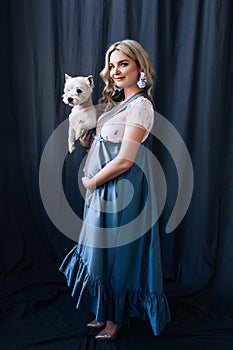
(70, 99)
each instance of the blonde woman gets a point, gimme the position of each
(115, 269)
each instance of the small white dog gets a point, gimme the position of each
(77, 93)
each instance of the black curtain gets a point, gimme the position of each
(190, 46)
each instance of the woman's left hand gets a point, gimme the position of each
(89, 184)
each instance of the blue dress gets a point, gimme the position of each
(114, 270)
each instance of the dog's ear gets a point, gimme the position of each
(90, 80)
(67, 77)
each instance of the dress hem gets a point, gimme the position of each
(106, 304)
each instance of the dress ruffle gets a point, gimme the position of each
(100, 299)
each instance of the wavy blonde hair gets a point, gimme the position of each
(135, 51)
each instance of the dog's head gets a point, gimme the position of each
(77, 90)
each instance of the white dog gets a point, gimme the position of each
(77, 93)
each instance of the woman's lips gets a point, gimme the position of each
(119, 79)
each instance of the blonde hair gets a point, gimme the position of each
(135, 51)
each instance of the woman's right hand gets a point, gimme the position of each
(85, 137)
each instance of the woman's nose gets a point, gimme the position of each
(116, 70)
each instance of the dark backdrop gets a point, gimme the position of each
(190, 46)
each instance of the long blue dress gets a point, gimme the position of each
(114, 270)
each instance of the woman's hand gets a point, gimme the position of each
(89, 184)
(85, 137)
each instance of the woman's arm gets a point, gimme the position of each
(131, 141)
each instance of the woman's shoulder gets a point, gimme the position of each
(141, 102)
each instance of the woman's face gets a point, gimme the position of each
(123, 70)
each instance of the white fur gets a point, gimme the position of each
(77, 93)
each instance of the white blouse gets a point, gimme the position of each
(138, 112)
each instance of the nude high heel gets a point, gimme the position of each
(96, 324)
(106, 336)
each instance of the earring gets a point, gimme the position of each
(141, 83)
(116, 88)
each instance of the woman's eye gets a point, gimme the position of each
(124, 64)
(110, 67)
(79, 91)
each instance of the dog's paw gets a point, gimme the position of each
(71, 148)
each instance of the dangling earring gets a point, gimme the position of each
(116, 88)
(141, 83)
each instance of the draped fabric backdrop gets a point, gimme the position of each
(190, 46)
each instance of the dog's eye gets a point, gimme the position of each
(79, 91)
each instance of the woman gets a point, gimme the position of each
(115, 269)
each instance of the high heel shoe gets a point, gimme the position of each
(96, 324)
(106, 336)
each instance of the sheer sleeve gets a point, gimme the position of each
(140, 112)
